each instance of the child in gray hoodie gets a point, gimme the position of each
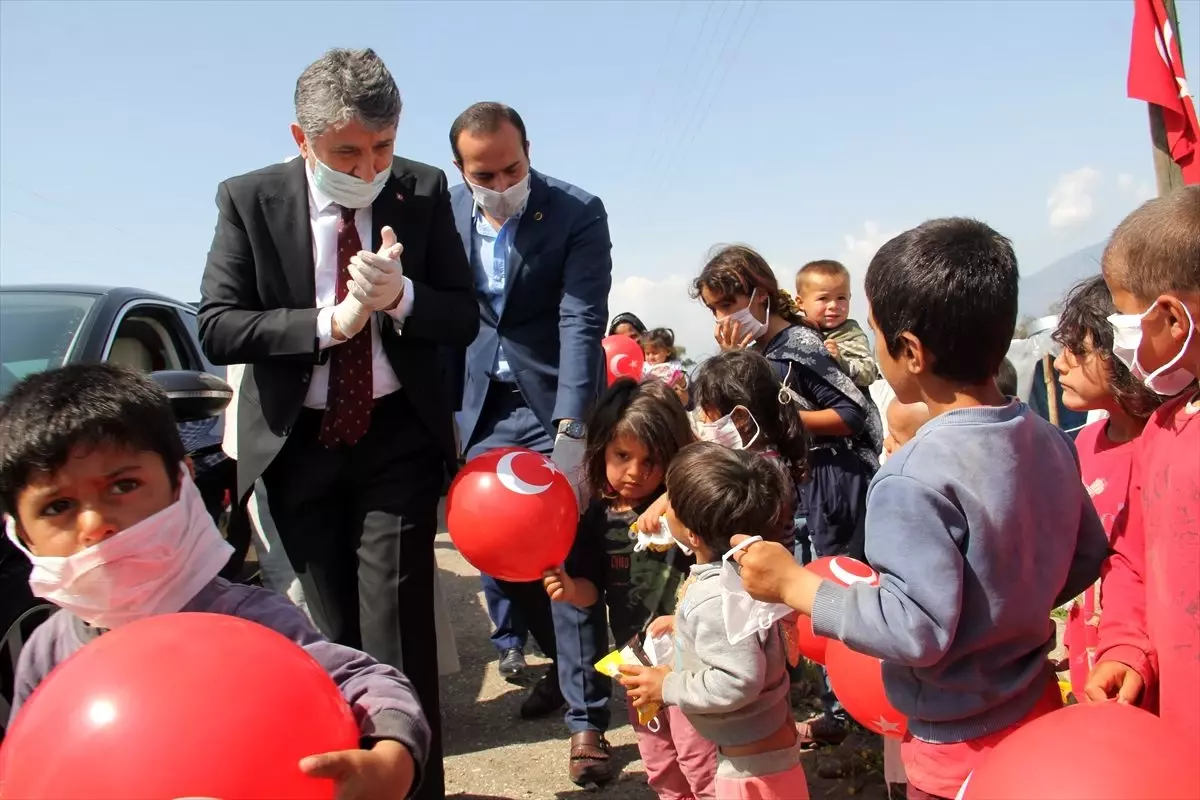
(734, 693)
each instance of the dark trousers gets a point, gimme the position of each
(575, 638)
(358, 523)
(509, 629)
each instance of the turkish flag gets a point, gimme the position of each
(1156, 76)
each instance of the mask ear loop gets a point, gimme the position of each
(785, 394)
(739, 547)
(757, 427)
(654, 726)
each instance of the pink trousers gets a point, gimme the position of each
(680, 763)
(776, 775)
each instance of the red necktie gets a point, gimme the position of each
(350, 397)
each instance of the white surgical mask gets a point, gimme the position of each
(1168, 380)
(725, 431)
(346, 190)
(153, 567)
(659, 541)
(743, 615)
(750, 324)
(502, 205)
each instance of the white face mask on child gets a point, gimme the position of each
(1168, 380)
(750, 324)
(153, 567)
(743, 615)
(724, 431)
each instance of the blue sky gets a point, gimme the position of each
(806, 129)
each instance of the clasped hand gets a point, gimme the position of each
(378, 278)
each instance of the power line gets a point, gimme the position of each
(725, 73)
(647, 104)
(659, 151)
(690, 125)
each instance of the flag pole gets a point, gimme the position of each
(1166, 172)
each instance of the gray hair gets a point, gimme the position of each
(345, 85)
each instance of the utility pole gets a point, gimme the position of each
(1166, 172)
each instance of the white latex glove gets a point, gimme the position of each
(378, 278)
(349, 317)
(568, 457)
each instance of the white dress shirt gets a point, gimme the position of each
(324, 215)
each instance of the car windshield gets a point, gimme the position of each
(37, 330)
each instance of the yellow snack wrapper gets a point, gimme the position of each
(609, 665)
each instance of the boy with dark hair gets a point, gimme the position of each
(957, 520)
(823, 295)
(102, 502)
(1149, 639)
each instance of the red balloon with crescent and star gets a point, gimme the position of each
(857, 680)
(844, 571)
(623, 358)
(512, 514)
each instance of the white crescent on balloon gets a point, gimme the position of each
(614, 364)
(849, 578)
(509, 480)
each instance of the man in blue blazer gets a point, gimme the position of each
(541, 257)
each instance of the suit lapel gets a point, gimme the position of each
(529, 231)
(289, 222)
(388, 208)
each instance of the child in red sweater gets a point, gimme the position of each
(1149, 650)
(1092, 379)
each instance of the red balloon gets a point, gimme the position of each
(512, 514)
(842, 570)
(178, 705)
(1104, 751)
(624, 358)
(857, 680)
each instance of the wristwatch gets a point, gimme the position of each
(571, 428)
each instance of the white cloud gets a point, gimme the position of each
(857, 251)
(1140, 191)
(665, 303)
(1071, 201)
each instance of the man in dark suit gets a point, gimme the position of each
(336, 277)
(541, 257)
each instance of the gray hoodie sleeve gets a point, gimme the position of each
(908, 619)
(382, 699)
(732, 675)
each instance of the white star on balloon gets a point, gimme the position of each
(551, 466)
(885, 726)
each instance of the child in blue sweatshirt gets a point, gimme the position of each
(978, 527)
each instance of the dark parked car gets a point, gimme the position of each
(43, 327)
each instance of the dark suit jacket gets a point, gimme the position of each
(555, 308)
(258, 300)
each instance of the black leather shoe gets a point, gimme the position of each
(512, 664)
(545, 698)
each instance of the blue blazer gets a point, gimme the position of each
(555, 307)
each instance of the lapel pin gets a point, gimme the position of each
(537, 216)
(400, 197)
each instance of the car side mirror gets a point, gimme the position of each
(194, 395)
